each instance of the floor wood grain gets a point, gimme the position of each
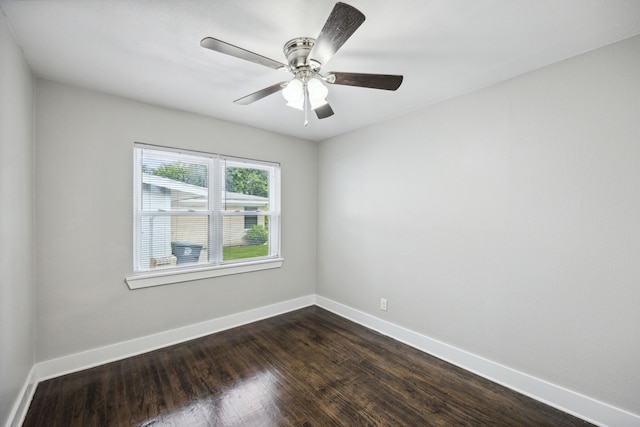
(304, 368)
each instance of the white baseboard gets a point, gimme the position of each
(581, 406)
(20, 406)
(99, 356)
(568, 401)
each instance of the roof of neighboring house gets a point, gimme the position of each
(201, 193)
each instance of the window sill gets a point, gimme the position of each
(148, 279)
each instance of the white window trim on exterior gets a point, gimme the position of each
(216, 267)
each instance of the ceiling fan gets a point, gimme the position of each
(305, 57)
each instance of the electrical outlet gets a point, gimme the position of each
(383, 304)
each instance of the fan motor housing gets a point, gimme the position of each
(297, 51)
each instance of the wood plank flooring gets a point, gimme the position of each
(304, 368)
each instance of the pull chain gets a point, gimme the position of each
(306, 104)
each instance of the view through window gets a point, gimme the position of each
(195, 210)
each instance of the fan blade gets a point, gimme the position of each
(324, 111)
(343, 21)
(373, 81)
(256, 96)
(238, 52)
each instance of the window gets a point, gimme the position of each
(204, 213)
(250, 220)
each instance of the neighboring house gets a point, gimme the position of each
(165, 194)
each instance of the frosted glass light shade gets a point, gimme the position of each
(317, 93)
(294, 94)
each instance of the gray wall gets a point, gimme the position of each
(17, 191)
(84, 220)
(505, 222)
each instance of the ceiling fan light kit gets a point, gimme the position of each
(297, 90)
(305, 57)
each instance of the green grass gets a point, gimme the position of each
(241, 252)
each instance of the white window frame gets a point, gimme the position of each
(146, 277)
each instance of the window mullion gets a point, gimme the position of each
(216, 187)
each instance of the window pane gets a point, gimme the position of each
(169, 241)
(169, 184)
(246, 189)
(242, 243)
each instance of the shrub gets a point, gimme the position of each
(257, 235)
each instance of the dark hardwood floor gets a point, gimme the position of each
(305, 368)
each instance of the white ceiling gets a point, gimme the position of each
(149, 50)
